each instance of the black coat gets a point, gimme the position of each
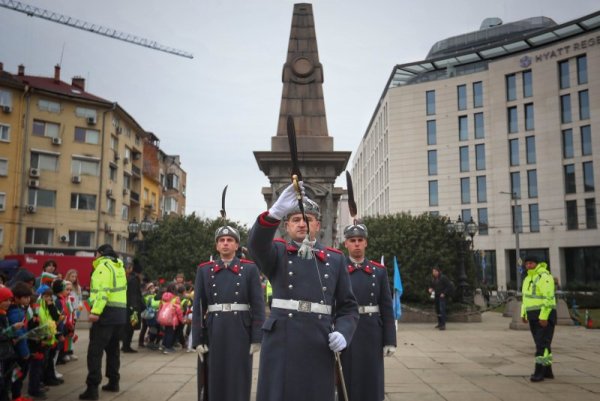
(363, 359)
(442, 285)
(135, 299)
(228, 334)
(295, 360)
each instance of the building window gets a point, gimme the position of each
(477, 94)
(49, 106)
(463, 128)
(112, 173)
(83, 201)
(5, 98)
(430, 102)
(567, 142)
(110, 206)
(39, 236)
(3, 167)
(431, 132)
(171, 205)
(590, 213)
(529, 119)
(586, 140)
(4, 132)
(513, 147)
(43, 128)
(582, 74)
(534, 218)
(81, 238)
(126, 181)
(465, 215)
(515, 184)
(517, 219)
(2, 201)
(588, 177)
(85, 167)
(44, 161)
(482, 220)
(532, 190)
(481, 189)
(464, 158)
(527, 84)
(479, 128)
(125, 212)
(584, 105)
(511, 87)
(572, 221)
(85, 135)
(565, 109)
(1, 234)
(432, 162)
(84, 112)
(173, 180)
(570, 187)
(465, 190)
(530, 149)
(563, 74)
(461, 94)
(513, 123)
(433, 193)
(41, 197)
(480, 156)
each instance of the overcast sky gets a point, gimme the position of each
(218, 108)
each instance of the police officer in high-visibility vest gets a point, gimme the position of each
(539, 309)
(108, 314)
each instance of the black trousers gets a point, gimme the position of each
(440, 309)
(103, 338)
(128, 330)
(542, 336)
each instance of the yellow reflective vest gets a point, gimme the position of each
(108, 290)
(538, 292)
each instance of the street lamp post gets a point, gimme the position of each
(516, 227)
(461, 229)
(144, 227)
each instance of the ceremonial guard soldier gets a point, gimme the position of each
(313, 311)
(228, 313)
(375, 336)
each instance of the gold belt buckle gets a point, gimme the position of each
(304, 306)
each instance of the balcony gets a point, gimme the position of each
(135, 197)
(136, 171)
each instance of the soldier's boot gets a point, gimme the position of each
(90, 393)
(112, 386)
(548, 372)
(538, 374)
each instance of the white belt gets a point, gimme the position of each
(368, 309)
(301, 306)
(228, 307)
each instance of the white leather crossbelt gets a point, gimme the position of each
(368, 309)
(301, 306)
(228, 307)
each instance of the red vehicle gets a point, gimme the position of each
(34, 263)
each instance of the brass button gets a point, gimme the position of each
(290, 315)
(290, 286)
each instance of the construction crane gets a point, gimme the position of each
(89, 27)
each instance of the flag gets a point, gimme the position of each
(87, 306)
(382, 260)
(397, 290)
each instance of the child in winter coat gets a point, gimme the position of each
(17, 317)
(7, 333)
(170, 315)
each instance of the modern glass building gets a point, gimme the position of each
(500, 125)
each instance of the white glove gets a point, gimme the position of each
(286, 202)
(254, 347)
(389, 350)
(337, 342)
(201, 350)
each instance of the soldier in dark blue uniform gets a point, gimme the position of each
(228, 313)
(375, 336)
(313, 311)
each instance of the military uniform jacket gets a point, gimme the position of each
(228, 334)
(362, 361)
(296, 362)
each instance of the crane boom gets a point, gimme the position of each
(33, 11)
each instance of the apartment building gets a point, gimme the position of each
(499, 125)
(75, 171)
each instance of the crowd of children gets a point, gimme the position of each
(37, 331)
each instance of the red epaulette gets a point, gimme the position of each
(377, 264)
(246, 261)
(280, 240)
(334, 250)
(205, 264)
